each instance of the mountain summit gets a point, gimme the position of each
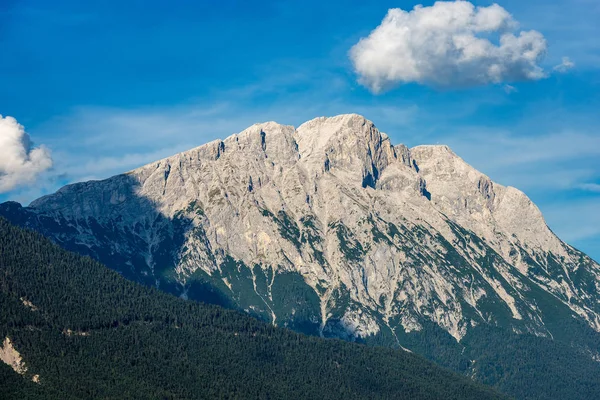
(332, 230)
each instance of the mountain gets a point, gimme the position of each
(330, 230)
(76, 330)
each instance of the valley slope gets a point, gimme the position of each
(77, 330)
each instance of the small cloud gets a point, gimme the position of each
(20, 162)
(510, 89)
(565, 65)
(449, 44)
(590, 187)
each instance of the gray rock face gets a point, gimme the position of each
(329, 229)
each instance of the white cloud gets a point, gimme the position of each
(510, 89)
(565, 65)
(591, 187)
(448, 44)
(20, 163)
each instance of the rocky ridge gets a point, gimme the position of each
(332, 230)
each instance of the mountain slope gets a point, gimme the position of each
(82, 331)
(331, 230)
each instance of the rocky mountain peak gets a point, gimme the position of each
(348, 145)
(374, 237)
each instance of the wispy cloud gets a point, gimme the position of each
(96, 143)
(565, 65)
(591, 187)
(578, 221)
(508, 89)
(554, 161)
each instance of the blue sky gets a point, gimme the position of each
(112, 86)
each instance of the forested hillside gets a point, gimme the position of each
(83, 331)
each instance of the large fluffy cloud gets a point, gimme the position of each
(448, 44)
(20, 163)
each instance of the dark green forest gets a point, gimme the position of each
(93, 334)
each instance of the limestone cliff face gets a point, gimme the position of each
(329, 229)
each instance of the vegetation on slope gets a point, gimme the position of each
(89, 333)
